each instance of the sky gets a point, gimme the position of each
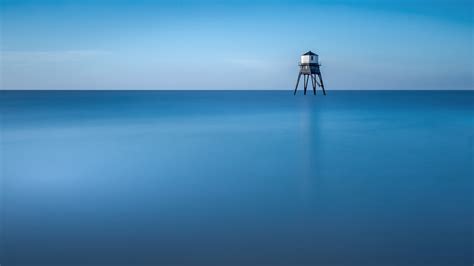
(144, 44)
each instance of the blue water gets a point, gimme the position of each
(236, 178)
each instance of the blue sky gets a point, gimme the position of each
(144, 44)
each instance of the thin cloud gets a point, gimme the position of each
(49, 56)
(250, 63)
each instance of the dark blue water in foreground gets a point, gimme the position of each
(236, 178)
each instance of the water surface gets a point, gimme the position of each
(236, 178)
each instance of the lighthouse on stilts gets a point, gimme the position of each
(309, 68)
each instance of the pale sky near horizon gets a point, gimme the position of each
(144, 44)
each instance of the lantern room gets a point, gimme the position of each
(309, 58)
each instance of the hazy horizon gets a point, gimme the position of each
(232, 45)
(300, 89)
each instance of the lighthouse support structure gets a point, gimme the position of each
(316, 80)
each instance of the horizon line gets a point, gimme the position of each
(234, 90)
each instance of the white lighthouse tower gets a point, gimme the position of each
(309, 68)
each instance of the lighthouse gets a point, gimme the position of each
(309, 68)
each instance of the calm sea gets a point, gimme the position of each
(236, 178)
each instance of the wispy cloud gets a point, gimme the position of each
(49, 56)
(250, 63)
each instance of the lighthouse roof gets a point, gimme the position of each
(309, 53)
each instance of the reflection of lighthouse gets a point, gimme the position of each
(309, 68)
